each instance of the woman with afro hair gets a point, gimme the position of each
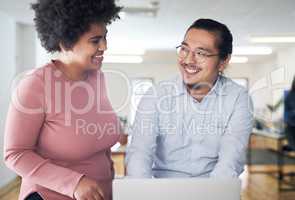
(60, 124)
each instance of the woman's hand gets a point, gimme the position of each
(88, 189)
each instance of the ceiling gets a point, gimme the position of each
(165, 31)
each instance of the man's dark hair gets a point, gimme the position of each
(64, 21)
(223, 35)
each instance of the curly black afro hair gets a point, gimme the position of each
(64, 21)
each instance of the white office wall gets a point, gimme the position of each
(29, 47)
(19, 58)
(26, 47)
(261, 89)
(286, 59)
(8, 65)
(42, 57)
(269, 80)
(240, 71)
(261, 82)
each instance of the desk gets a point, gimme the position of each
(261, 139)
(118, 157)
(272, 141)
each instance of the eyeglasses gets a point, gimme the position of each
(200, 55)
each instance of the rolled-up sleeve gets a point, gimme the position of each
(234, 142)
(144, 131)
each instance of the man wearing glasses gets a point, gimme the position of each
(197, 124)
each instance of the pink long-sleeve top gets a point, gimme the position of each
(59, 130)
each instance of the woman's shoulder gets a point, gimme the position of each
(28, 88)
(38, 73)
(32, 81)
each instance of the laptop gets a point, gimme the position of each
(176, 189)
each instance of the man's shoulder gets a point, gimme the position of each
(230, 87)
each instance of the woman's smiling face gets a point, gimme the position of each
(87, 52)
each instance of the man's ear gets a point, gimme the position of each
(223, 63)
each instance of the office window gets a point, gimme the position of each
(139, 88)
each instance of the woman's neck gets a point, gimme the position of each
(70, 70)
